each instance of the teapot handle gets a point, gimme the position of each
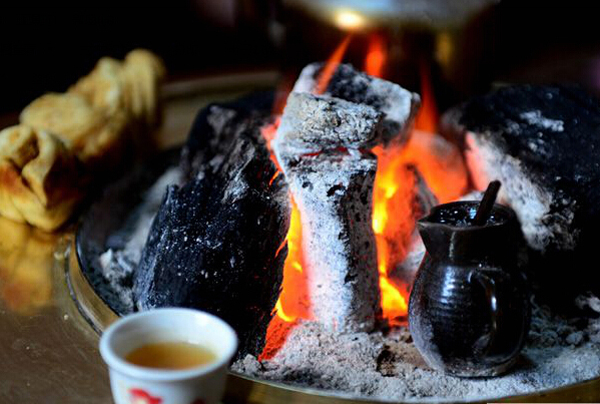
(491, 281)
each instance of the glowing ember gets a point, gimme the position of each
(293, 301)
(439, 162)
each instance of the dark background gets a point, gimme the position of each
(48, 48)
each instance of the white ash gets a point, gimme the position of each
(333, 190)
(536, 118)
(388, 367)
(118, 262)
(542, 224)
(312, 123)
(397, 104)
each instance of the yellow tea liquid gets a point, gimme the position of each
(171, 355)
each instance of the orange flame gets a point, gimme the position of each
(439, 162)
(427, 118)
(393, 224)
(331, 66)
(293, 301)
(394, 211)
(376, 58)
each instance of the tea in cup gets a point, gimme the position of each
(168, 356)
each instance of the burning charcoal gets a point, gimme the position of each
(542, 142)
(333, 191)
(315, 123)
(398, 105)
(333, 194)
(215, 243)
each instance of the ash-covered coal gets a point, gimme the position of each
(318, 146)
(398, 105)
(542, 142)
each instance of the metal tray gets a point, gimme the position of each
(109, 212)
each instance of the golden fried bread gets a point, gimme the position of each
(104, 87)
(143, 72)
(25, 261)
(91, 133)
(69, 116)
(39, 178)
(66, 137)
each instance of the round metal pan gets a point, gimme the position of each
(109, 212)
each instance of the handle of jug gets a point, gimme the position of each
(491, 281)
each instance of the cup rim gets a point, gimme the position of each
(119, 364)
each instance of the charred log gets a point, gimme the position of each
(397, 105)
(215, 243)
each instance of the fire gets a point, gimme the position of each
(331, 65)
(427, 118)
(393, 224)
(394, 211)
(439, 162)
(376, 56)
(293, 301)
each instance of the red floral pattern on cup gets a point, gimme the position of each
(140, 396)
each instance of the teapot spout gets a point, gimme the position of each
(436, 237)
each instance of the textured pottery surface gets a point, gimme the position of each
(469, 310)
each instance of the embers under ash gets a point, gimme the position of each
(386, 365)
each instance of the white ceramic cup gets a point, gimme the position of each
(132, 384)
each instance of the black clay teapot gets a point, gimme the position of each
(469, 310)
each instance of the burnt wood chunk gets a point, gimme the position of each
(215, 243)
(333, 190)
(398, 105)
(542, 142)
(217, 127)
